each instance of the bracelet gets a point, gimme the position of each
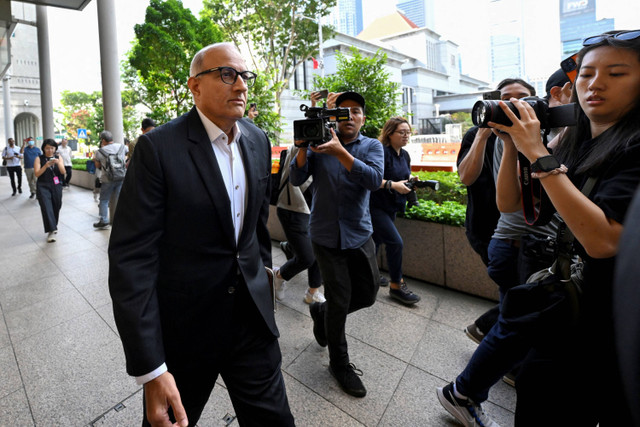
(556, 171)
(387, 185)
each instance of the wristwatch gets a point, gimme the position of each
(545, 164)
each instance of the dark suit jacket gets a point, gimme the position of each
(173, 259)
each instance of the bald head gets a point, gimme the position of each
(198, 59)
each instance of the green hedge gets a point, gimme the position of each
(450, 187)
(448, 212)
(79, 164)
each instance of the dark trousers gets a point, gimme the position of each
(247, 357)
(13, 171)
(50, 200)
(296, 228)
(385, 231)
(67, 176)
(351, 282)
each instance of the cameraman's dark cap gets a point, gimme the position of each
(559, 78)
(354, 96)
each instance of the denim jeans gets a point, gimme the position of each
(503, 265)
(296, 228)
(385, 231)
(106, 190)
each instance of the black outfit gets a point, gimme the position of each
(49, 195)
(384, 204)
(591, 389)
(482, 212)
(184, 291)
(626, 300)
(67, 177)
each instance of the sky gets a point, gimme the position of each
(75, 58)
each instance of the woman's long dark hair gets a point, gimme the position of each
(614, 140)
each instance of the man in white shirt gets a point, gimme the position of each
(11, 154)
(188, 251)
(64, 151)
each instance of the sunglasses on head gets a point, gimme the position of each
(622, 35)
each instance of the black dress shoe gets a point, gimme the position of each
(348, 377)
(318, 323)
(20, 190)
(14, 193)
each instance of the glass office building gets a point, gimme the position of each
(577, 22)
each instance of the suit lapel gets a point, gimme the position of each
(251, 172)
(206, 164)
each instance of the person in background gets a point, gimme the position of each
(253, 112)
(147, 126)
(11, 154)
(64, 151)
(49, 171)
(391, 198)
(108, 186)
(30, 153)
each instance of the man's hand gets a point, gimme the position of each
(399, 187)
(333, 147)
(160, 394)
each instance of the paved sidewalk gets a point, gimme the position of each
(61, 361)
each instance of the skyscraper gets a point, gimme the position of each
(506, 41)
(346, 17)
(419, 12)
(578, 21)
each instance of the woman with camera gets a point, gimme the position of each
(573, 379)
(49, 171)
(391, 198)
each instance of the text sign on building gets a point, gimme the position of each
(82, 134)
(570, 7)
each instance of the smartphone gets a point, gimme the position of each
(570, 67)
(323, 93)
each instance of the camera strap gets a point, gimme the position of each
(536, 205)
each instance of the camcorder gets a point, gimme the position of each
(414, 183)
(488, 110)
(315, 128)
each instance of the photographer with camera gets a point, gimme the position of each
(345, 170)
(515, 251)
(49, 171)
(391, 198)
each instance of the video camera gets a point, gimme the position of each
(488, 110)
(414, 183)
(315, 129)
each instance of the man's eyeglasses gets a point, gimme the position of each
(622, 35)
(230, 75)
(403, 132)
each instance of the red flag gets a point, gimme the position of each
(315, 63)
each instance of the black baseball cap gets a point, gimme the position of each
(559, 78)
(354, 96)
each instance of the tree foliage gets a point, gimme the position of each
(368, 77)
(81, 110)
(464, 118)
(276, 38)
(158, 63)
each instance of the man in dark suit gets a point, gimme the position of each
(188, 252)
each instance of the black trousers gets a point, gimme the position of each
(13, 171)
(50, 199)
(67, 176)
(247, 358)
(351, 282)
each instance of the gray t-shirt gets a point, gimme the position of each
(512, 225)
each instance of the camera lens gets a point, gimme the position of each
(311, 131)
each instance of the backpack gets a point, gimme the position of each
(114, 165)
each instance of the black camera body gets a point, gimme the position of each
(414, 183)
(315, 129)
(486, 111)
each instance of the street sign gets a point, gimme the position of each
(82, 134)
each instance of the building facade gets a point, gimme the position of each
(421, 12)
(578, 21)
(346, 17)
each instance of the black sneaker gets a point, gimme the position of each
(14, 193)
(318, 323)
(404, 295)
(20, 190)
(101, 225)
(384, 282)
(348, 378)
(286, 248)
(32, 195)
(469, 413)
(474, 333)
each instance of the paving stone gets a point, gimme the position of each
(14, 410)
(10, 375)
(25, 294)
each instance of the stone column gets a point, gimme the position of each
(44, 60)
(110, 67)
(6, 97)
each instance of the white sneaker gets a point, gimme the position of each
(316, 297)
(51, 237)
(279, 283)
